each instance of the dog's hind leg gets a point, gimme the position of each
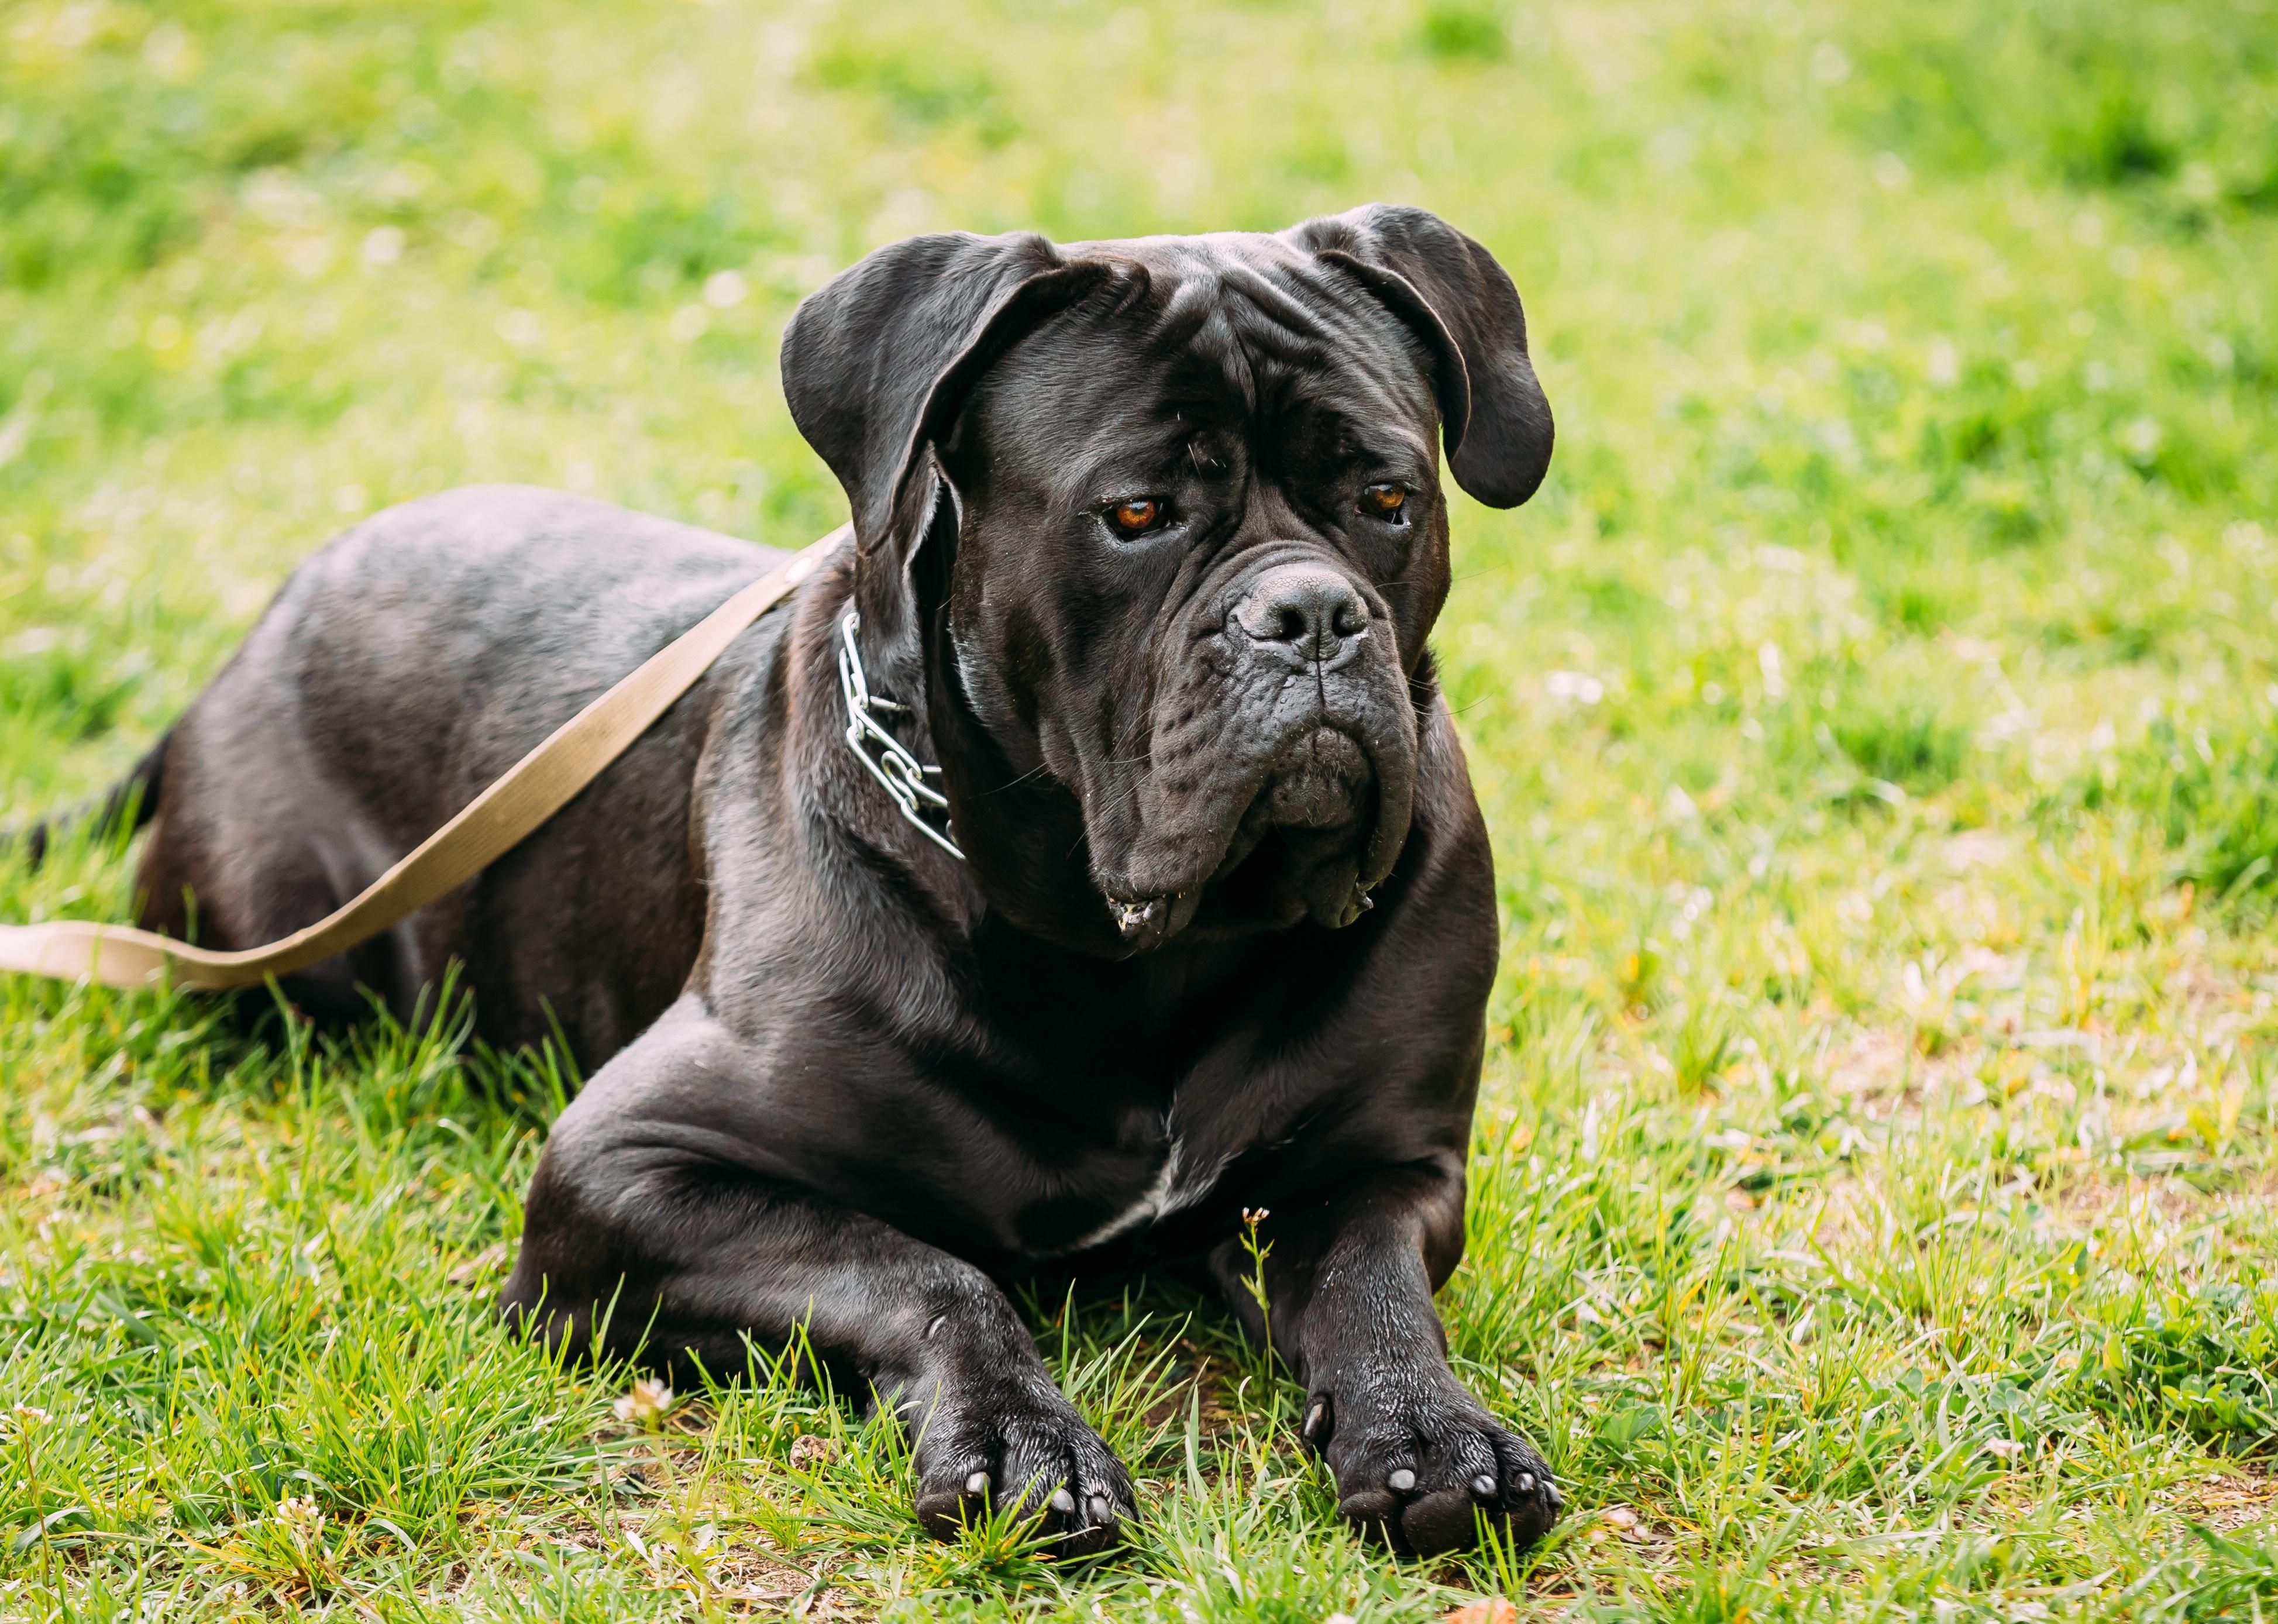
(642, 1239)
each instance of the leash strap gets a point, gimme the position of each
(489, 826)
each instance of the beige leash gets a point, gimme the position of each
(489, 826)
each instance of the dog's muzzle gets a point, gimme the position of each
(1311, 656)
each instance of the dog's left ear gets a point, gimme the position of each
(876, 362)
(1453, 294)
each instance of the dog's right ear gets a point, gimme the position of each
(876, 362)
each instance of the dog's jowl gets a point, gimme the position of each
(1194, 915)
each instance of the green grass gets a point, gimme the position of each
(1874, 1209)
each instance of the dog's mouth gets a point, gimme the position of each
(1313, 819)
(1144, 922)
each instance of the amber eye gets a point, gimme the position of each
(1136, 516)
(1384, 501)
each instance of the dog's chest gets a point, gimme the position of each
(1101, 1144)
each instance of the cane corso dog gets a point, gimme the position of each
(1190, 913)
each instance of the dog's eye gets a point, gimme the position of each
(1384, 501)
(1138, 516)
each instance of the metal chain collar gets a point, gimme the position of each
(903, 775)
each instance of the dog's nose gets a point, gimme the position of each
(1312, 612)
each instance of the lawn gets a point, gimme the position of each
(1875, 1202)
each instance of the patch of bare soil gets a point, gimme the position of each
(1655, 1544)
(2230, 1500)
(2081, 1203)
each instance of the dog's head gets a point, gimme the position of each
(1158, 525)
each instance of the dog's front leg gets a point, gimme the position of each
(1349, 1283)
(638, 1233)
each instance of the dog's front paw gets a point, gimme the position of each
(1012, 1445)
(1418, 1461)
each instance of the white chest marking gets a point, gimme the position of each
(1163, 1198)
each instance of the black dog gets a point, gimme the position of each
(1149, 536)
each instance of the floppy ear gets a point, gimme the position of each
(1454, 295)
(877, 361)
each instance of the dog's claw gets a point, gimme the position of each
(1026, 1455)
(1417, 1469)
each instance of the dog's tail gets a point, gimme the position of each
(124, 807)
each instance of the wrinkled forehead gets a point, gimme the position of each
(1254, 341)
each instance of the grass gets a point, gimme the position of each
(1876, 1197)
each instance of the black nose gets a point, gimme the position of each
(1307, 611)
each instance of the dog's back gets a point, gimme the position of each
(400, 670)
